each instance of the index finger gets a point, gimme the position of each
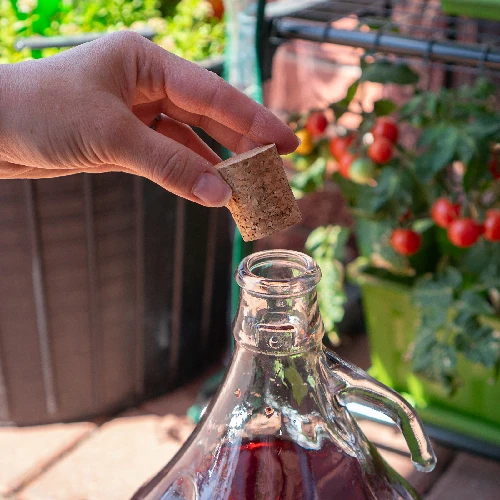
(200, 91)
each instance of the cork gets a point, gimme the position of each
(262, 202)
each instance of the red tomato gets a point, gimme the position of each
(492, 225)
(405, 241)
(493, 166)
(218, 8)
(444, 212)
(340, 144)
(386, 127)
(380, 150)
(345, 164)
(316, 123)
(464, 232)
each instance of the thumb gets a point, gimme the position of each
(171, 165)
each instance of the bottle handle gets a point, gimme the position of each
(359, 387)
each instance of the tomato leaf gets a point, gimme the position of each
(443, 144)
(384, 107)
(384, 71)
(310, 179)
(342, 106)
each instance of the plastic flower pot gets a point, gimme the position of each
(391, 320)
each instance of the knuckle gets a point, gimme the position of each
(124, 39)
(173, 172)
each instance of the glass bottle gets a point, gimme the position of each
(279, 428)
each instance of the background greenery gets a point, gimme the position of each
(187, 28)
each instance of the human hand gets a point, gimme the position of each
(90, 109)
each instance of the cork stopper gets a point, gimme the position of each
(262, 202)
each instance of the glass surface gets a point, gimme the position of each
(278, 428)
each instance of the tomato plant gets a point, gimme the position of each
(306, 143)
(362, 170)
(340, 144)
(493, 166)
(464, 232)
(492, 225)
(345, 163)
(427, 210)
(380, 150)
(386, 127)
(444, 212)
(316, 123)
(405, 241)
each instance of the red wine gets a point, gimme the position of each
(277, 469)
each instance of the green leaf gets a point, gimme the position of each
(384, 107)
(473, 303)
(421, 225)
(479, 345)
(413, 106)
(433, 359)
(440, 153)
(384, 71)
(311, 179)
(342, 106)
(327, 247)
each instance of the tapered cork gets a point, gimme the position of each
(262, 202)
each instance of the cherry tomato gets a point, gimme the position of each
(406, 241)
(306, 144)
(362, 170)
(493, 166)
(492, 225)
(340, 144)
(387, 128)
(316, 123)
(464, 232)
(380, 150)
(345, 164)
(444, 212)
(218, 8)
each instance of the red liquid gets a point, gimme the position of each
(276, 469)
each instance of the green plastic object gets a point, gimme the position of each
(479, 9)
(391, 319)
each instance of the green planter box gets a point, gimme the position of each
(482, 9)
(391, 319)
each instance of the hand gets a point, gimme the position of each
(90, 109)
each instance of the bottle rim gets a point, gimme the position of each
(278, 273)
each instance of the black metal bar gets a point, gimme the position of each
(48, 376)
(49, 42)
(139, 286)
(290, 29)
(93, 289)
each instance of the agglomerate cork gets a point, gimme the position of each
(262, 202)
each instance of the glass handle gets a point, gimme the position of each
(359, 387)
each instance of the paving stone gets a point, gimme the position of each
(469, 476)
(26, 451)
(114, 461)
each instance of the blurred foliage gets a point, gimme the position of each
(453, 156)
(189, 29)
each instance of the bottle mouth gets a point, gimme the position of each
(278, 273)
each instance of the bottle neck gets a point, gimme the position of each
(278, 312)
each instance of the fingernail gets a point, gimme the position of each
(212, 190)
(299, 142)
